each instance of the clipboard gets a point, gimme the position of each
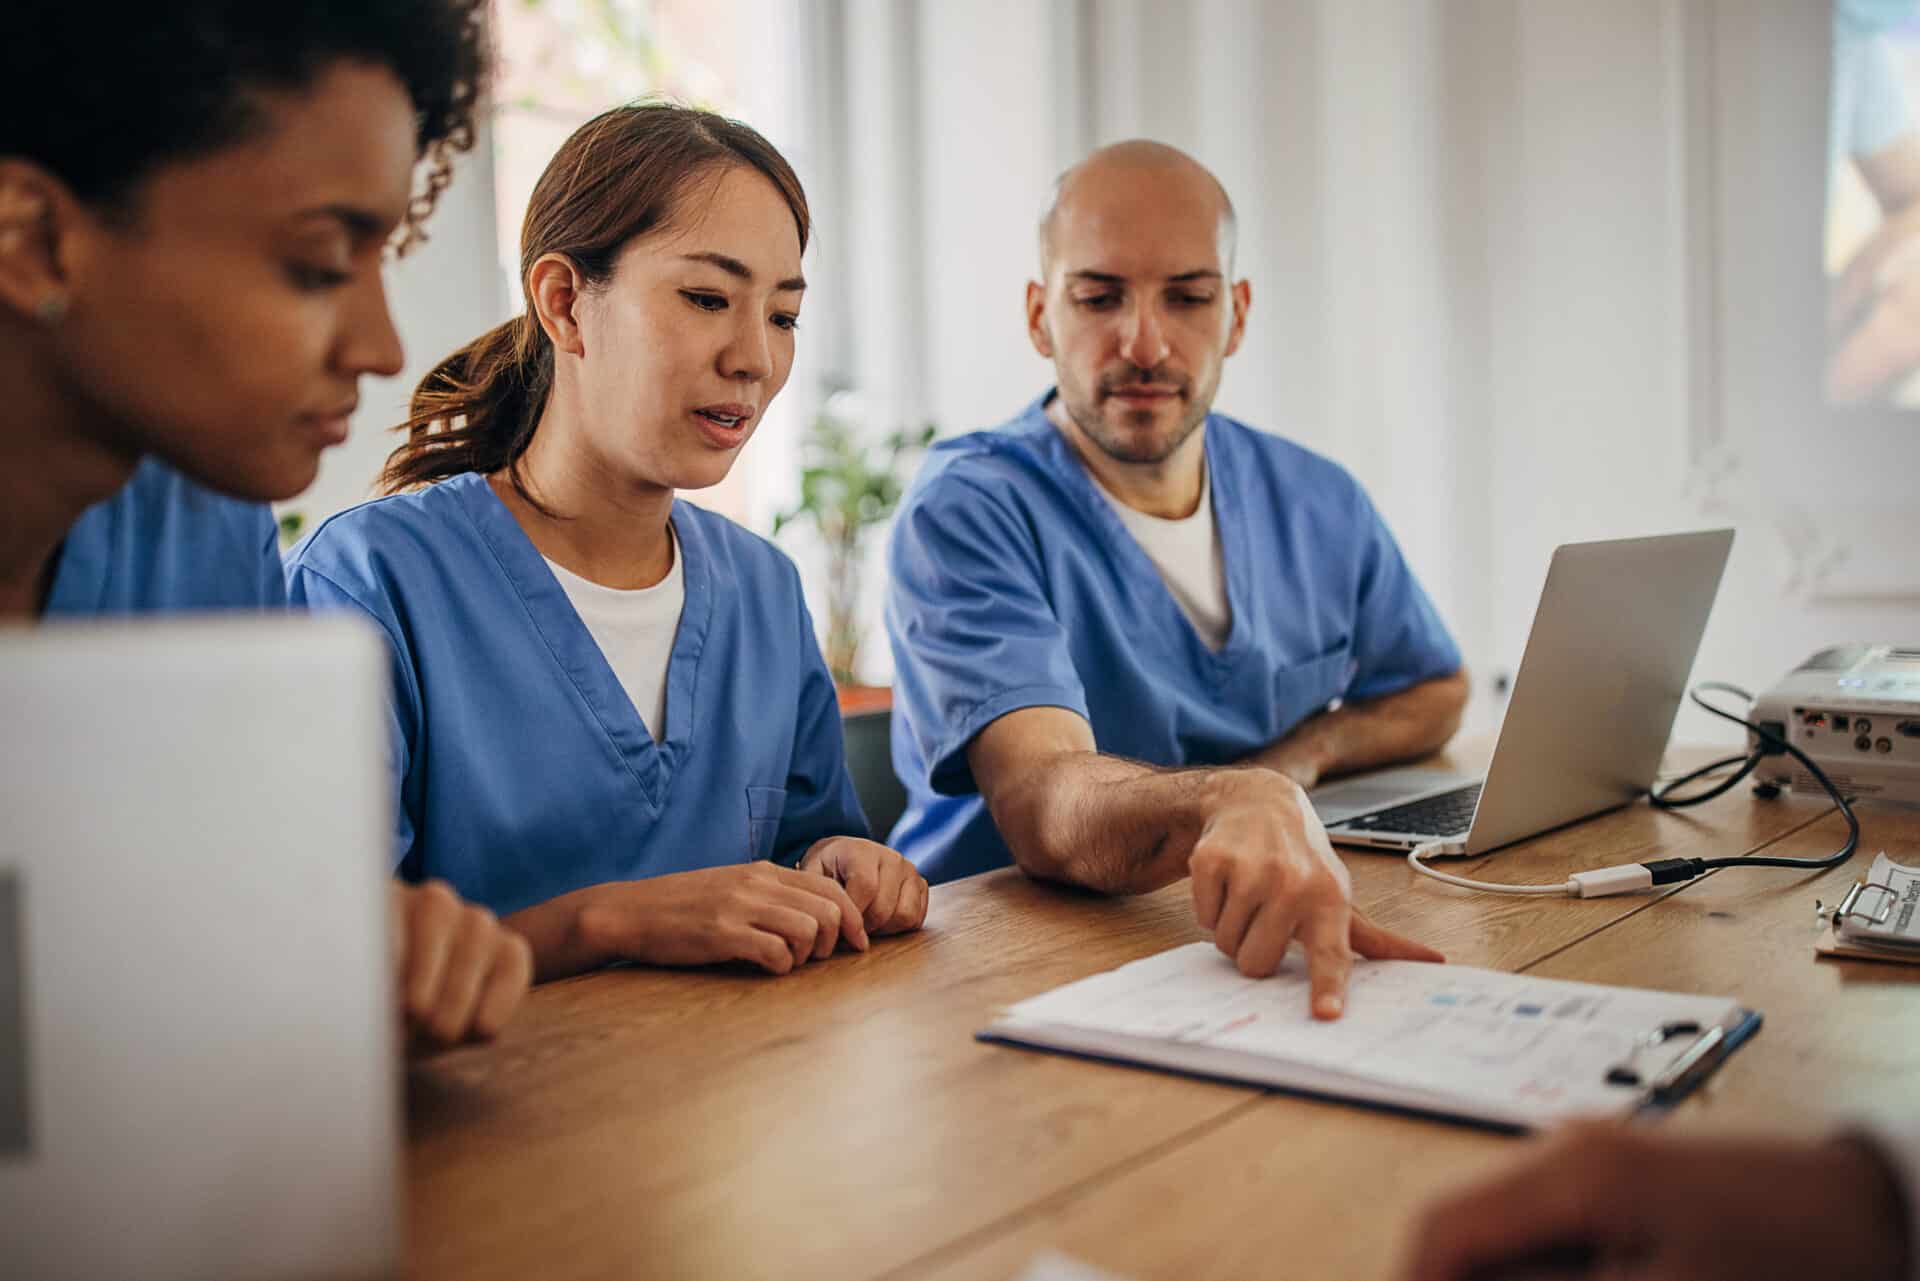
(1481, 1047)
(1875, 921)
(1704, 1050)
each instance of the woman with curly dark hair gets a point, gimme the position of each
(194, 212)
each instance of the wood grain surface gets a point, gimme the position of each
(1295, 1188)
(841, 1121)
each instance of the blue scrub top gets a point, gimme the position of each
(165, 543)
(1013, 584)
(523, 770)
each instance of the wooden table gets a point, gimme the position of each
(841, 1122)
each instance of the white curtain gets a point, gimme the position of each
(940, 128)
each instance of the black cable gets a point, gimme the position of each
(1663, 798)
(1630, 878)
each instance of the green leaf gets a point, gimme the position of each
(852, 478)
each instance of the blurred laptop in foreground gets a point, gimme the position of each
(197, 1032)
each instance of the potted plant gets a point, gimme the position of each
(848, 485)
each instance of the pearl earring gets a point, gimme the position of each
(52, 310)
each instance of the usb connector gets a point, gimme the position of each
(1631, 878)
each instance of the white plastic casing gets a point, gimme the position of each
(1628, 878)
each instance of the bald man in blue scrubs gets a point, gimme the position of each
(1128, 630)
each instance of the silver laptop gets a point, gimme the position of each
(1592, 707)
(197, 1044)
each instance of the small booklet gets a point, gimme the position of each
(1506, 1050)
(1880, 917)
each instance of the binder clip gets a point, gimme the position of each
(1850, 905)
(1677, 1077)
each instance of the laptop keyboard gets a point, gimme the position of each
(1448, 814)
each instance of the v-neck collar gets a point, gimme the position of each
(1234, 546)
(577, 654)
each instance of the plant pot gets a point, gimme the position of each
(855, 699)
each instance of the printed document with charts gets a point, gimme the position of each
(1501, 1049)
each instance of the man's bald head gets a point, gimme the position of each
(1136, 306)
(1132, 170)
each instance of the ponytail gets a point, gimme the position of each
(475, 410)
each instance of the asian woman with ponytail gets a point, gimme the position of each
(611, 720)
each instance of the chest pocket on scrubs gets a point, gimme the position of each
(1306, 688)
(765, 807)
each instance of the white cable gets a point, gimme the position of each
(1622, 878)
(1635, 878)
(1418, 852)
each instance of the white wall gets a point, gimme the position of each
(1536, 270)
(988, 158)
(1586, 288)
(1655, 326)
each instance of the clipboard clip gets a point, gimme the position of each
(1850, 905)
(1676, 1076)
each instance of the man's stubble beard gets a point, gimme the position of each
(1094, 428)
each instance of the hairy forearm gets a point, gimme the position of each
(1380, 731)
(1108, 824)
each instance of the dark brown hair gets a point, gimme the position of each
(104, 104)
(621, 175)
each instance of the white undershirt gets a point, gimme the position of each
(1187, 554)
(635, 630)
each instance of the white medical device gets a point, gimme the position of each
(1855, 709)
